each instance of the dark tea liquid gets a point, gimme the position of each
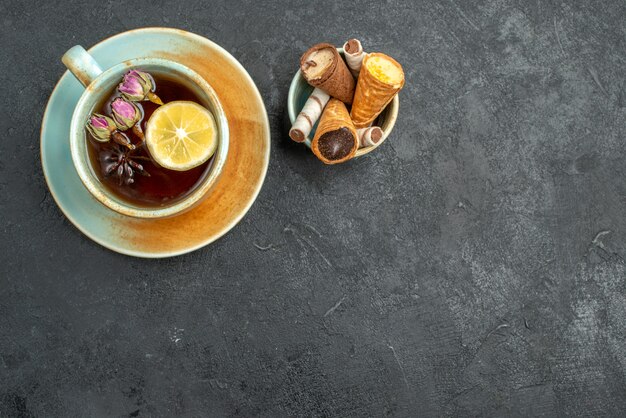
(163, 186)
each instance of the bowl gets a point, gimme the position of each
(299, 92)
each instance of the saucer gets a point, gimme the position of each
(237, 187)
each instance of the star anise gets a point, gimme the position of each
(121, 163)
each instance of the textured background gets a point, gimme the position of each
(473, 265)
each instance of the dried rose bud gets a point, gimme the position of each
(101, 127)
(137, 86)
(125, 113)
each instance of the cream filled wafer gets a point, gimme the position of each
(369, 136)
(323, 67)
(335, 139)
(353, 51)
(309, 114)
(380, 79)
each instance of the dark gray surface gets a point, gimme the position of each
(473, 265)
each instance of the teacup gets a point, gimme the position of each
(98, 84)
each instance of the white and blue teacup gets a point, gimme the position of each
(99, 84)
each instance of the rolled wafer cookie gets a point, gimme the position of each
(309, 114)
(353, 51)
(380, 79)
(369, 136)
(323, 67)
(335, 139)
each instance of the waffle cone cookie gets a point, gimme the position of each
(380, 79)
(323, 67)
(336, 139)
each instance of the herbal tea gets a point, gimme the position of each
(151, 161)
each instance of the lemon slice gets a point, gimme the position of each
(181, 135)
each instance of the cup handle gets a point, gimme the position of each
(81, 64)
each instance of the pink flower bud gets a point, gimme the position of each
(125, 113)
(100, 127)
(136, 85)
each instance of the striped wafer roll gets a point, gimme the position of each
(369, 136)
(335, 139)
(353, 51)
(309, 114)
